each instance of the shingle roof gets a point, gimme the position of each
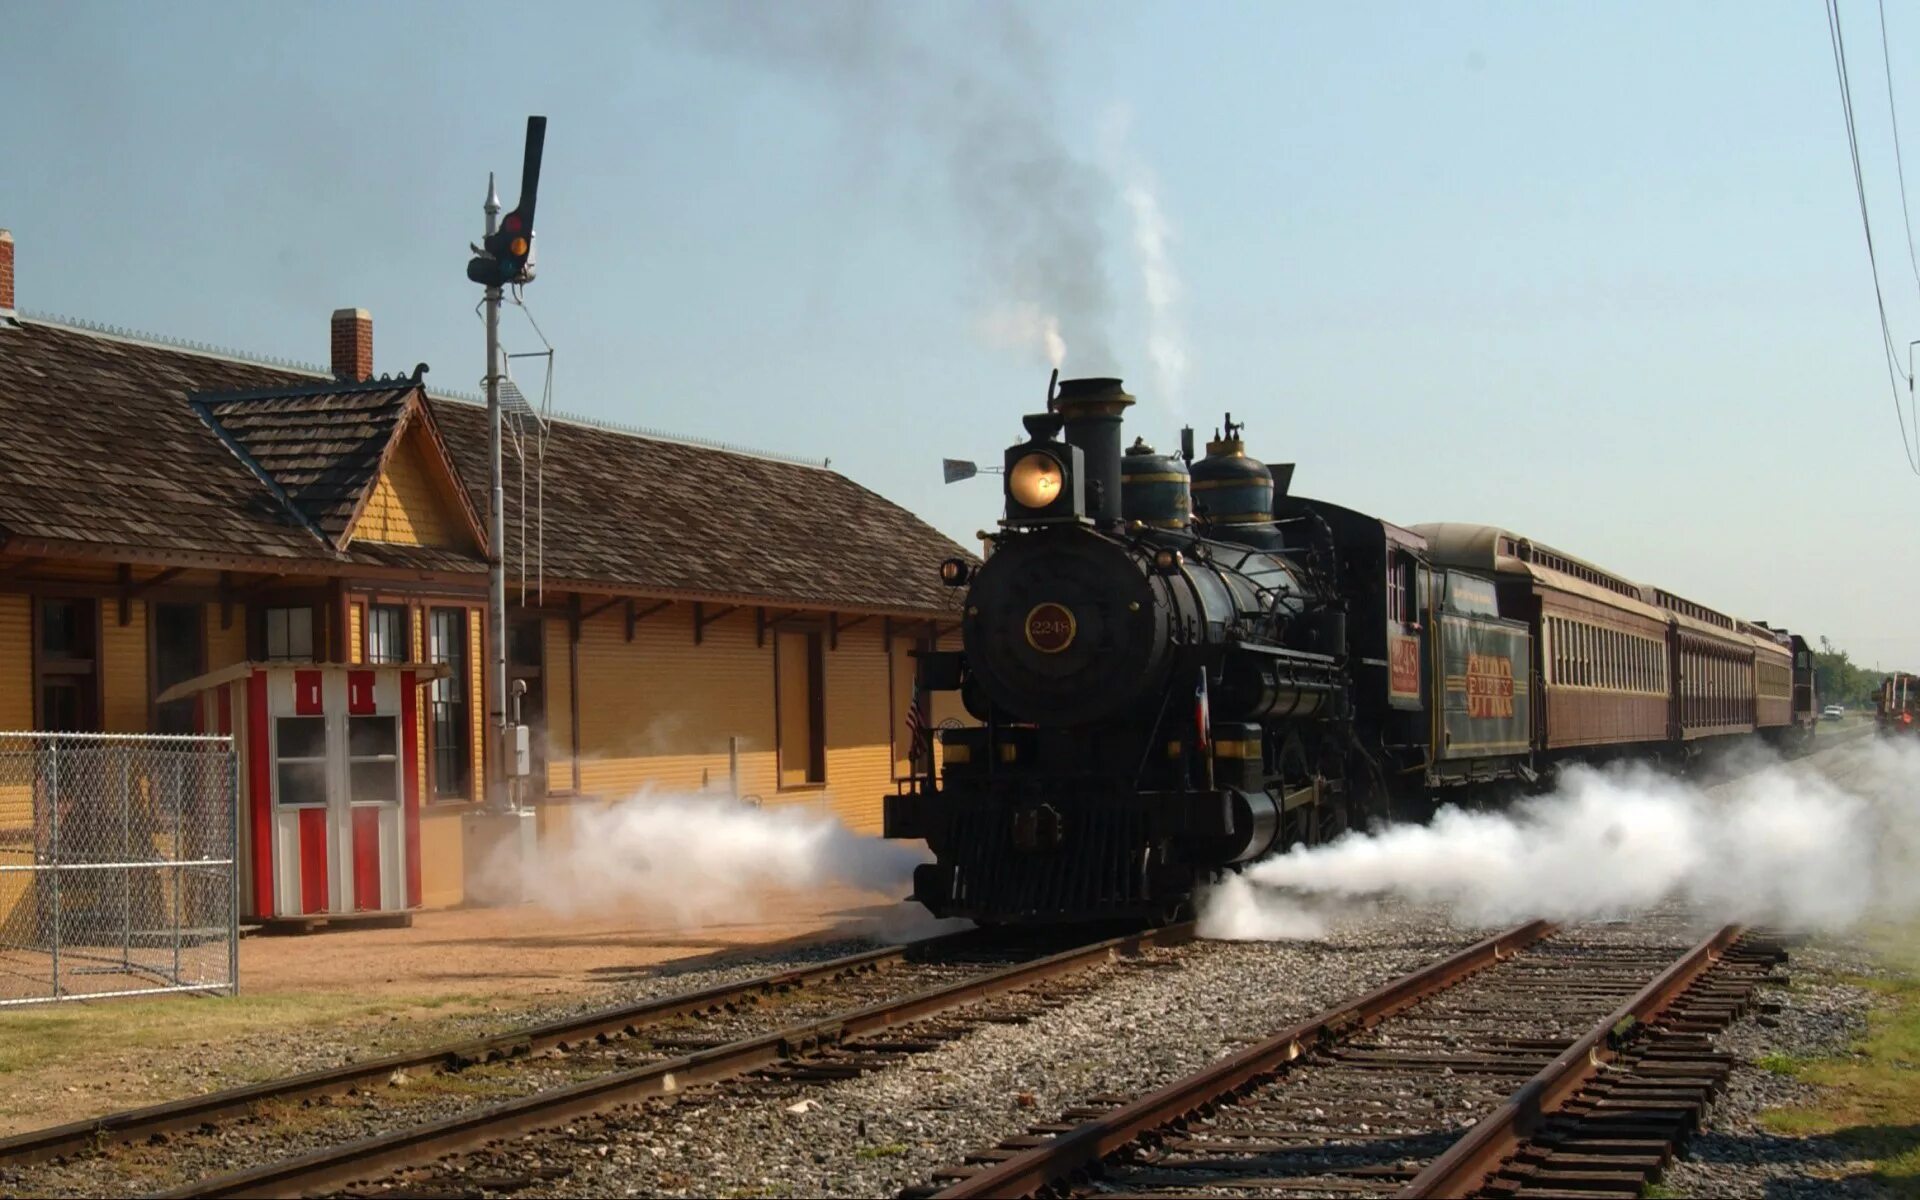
(322, 446)
(658, 515)
(101, 446)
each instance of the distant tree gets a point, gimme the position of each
(1839, 681)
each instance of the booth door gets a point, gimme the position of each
(337, 787)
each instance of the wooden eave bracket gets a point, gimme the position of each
(702, 618)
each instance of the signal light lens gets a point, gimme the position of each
(519, 247)
(512, 223)
(1035, 480)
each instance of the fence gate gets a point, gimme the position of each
(117, 866)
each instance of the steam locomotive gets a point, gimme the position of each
(1177, 667)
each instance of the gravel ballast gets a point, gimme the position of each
(1819, 1016)
(1152, 1021)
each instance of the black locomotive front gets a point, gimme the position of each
(1139, 686)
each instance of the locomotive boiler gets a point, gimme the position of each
(1158, 677)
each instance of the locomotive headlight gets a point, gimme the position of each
(954, 572)
(1035, 481)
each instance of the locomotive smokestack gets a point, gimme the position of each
(1092, 409)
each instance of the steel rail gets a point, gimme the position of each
(189, 1112)
(1034, 1169)
(1472, 1161)
(353, 1162)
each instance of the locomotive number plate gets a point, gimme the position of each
(1050, 627)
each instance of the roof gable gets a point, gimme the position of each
(326, 450)
(416, 499)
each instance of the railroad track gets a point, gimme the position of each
(1536, 1063)
(851, 1040)
(657, 1036)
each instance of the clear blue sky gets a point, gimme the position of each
(1594, 272)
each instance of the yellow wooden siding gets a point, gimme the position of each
(228, 646)
(408, 507)
(16, 663)
(477, 670)
(657, 711)
(356, 624)
(123, 669)
(18, 915)
(557, 676)
(859, 750)
(442, 857)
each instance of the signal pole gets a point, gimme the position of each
(497, 793)
(504, 256)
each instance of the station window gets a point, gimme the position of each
(300, 760)
(801, 706)
(67, 675)
(387, 633)
(179, 654)
(450, 723)
(290, 634)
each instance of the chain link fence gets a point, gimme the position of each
(117, 866)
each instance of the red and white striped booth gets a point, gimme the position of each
(329, 761)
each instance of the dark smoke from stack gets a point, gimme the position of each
(976, 87)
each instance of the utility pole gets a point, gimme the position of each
(504, 257)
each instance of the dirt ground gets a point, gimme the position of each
(529, 952)
(313, 1000)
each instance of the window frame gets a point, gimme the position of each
(69, 669)
(438, 700)
(190, 704)
(371, 620)
(267, 614)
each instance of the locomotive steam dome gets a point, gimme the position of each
(1154, 488)
(1228, 487)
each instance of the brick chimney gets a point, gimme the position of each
(6, 273)
(352, 344)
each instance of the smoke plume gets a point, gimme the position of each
(972, 83)
(1152, 250)
(1780, 844)
(695, 860)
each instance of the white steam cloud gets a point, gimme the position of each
(1025, 327)
(1783, 845)
(1152, 236)
(694, 860)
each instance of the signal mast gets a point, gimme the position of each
(504, 258)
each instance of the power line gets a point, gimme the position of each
(1900, 167)
(1906, 215)
(1866, 224)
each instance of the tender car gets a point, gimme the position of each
(1832, 712)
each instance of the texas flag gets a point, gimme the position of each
(1202, 718)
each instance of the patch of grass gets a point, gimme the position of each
(1779, 1064)
(890, 1150)
(1870, 1097)
(1657, 1191)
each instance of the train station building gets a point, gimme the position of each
(195, 541)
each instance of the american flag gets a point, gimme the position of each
(916, 724)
